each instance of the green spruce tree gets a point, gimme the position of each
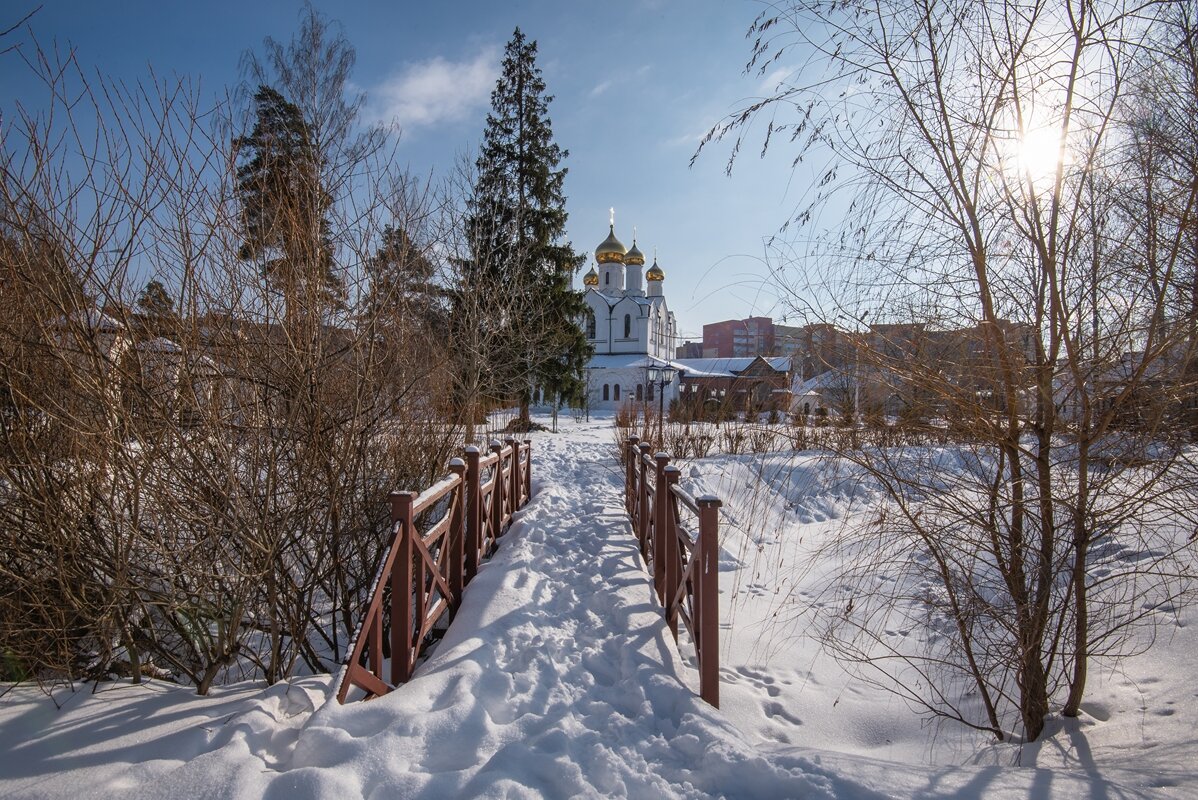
(516, 228)
(155, 301)
(284, 206)
(400, 273)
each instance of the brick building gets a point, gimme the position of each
(739, 338)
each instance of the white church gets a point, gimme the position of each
(633, 331)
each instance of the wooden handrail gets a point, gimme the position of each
(426, 573)
(685, 570)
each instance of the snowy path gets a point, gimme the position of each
(559, 680)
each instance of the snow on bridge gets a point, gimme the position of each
(558, 678)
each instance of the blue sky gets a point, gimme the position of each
(636, 82)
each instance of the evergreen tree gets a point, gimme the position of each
(285, 206)
(155, 301)
(402, 292)
(517, 220)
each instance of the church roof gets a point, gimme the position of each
(610, 249)
(612, 302)
(628, 361)
(634, 256)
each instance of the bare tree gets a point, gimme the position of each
(982, 158)
(199, 499)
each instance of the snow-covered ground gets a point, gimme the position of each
(560, 679)
(1136, 736)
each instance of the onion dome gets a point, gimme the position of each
(634, 256)
(591, 278)
(655, 273)
(611, 249)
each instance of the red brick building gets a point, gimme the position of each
(739, 338)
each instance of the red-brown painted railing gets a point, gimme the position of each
(427, 572)
(685, 570)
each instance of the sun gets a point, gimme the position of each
(1038, 153)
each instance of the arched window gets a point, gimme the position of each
(640, 392)
(627, 326)
(616, 395)
(590, 324)
(606, 393)
(650, 397)
(606, 278)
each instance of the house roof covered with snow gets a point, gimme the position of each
(92, 319)
(160, 345)
(832, 380)
(727, 367)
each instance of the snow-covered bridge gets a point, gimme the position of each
(559, 678)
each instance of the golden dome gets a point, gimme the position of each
(611, 249)
(634, 256)
(591, 278)
(655, 273)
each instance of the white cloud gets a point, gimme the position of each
(601, 88)
(690, 139)
(773, 81)
(427, 93)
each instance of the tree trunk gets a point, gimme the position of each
(1081, 611)
(1033, 690)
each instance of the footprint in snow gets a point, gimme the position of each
(775, 711)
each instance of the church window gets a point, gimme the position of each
(590, 324)
(606, 278)
(650, 397)
(616, 395)
(627, 326)
(640, 392)
(606, 393)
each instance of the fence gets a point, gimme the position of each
(685, 571)
(422, 575)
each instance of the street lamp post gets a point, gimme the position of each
(857, 374)
(661, 377)
(586, 392)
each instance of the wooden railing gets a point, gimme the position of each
(685, 569)
(423, 574)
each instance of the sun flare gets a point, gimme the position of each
(1038, 153)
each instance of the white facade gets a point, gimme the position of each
(631, 330)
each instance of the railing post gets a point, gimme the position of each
(374, 645)
(670, 551)
(659, 526)
(642, 517)
(401, 588)
(707, 599)
(473, 512)
(630, 473)
(527, 473)
(456, 539)
(514, 496)
(498, 494)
